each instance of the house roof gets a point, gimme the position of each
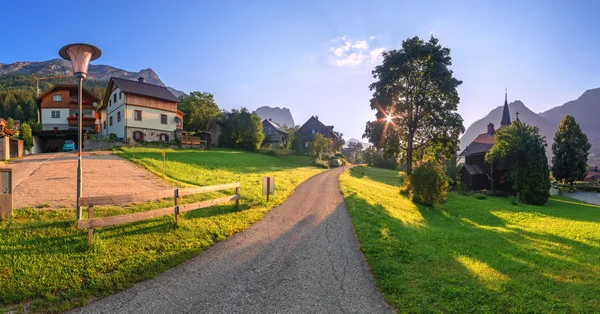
(481, 144)
(330, 127)
(85, 91)
(144, 89)
(275, 125)
(592, 175)
(473, 169)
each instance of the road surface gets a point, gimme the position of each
(588, 197)
(302, 257)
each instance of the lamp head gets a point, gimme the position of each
(80, 56)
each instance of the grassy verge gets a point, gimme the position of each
(46, 265)
(471, 255)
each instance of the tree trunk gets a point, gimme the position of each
(409, 152)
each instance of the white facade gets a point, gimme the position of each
(59, 121)
(115, 109)
(151, 119)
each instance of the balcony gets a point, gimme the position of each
(86, 121)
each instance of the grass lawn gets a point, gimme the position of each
(46, 265)
(470, 255)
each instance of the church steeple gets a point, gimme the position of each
(505, 113)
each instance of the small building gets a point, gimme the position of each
(478, 174)
(138, 111)
(275, 134)
(593, 175)
(306, 133)
(58, 114)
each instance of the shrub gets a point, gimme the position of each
(428, 183)
(479, 196)
(321, 163)
(277, 152)
(26, 135)
(113, 137)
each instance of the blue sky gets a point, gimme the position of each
(315, 57)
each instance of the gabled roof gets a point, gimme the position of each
(277, 127)
(505, 114)
(481, 144)
(68, 86)
(313, 118)
(143, 89)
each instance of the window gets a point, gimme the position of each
(163, 119)
(105, 125)
(74, 98)
(56, 114)
(115, 98)
(119, 116)
(305, 144)
(164, 138)
(57, 98)
(313, 131)
(137, 115)
(138, 136)
(109, 102)
(178, 121)
(120, 95)
(110, 121)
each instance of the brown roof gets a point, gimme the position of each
(482, 144)
(144, 89)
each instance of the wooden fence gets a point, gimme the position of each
(177, 209)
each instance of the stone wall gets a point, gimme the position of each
(100, 145)
(150, 135)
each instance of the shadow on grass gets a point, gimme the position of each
(378, 175)
(472, 261)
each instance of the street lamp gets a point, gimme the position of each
(80, 56)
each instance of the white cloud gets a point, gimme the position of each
(372, 37)
(337, 51)
(376, 54)
(341, 38)
(353, 59)
(361, 44)
(347, 46)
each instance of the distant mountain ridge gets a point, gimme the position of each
(585, 109)
(99, 72)
(282, 116)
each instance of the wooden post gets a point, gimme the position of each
(268, 187)
(90, 230)
(164, 158)
(6, 201)
(237, 202)
(176, 206)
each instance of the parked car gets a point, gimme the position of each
(68, 146)
(335, 162)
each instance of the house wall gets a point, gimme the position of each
(150, 135)
(67, 107)
(112, 110)
(307, 132)
(150, 119)
(49, 123)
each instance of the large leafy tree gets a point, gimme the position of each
(201, 111)
(241, 129)
(320, 145)
(522, 148)
(416, 101)
(570, 149)
(339, 142)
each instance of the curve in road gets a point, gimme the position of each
(302, 257)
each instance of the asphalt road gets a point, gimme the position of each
(302, 257)
(589, 197)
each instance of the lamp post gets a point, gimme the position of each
(80, 56)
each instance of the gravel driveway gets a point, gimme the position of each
(50, 180)
(302, 257)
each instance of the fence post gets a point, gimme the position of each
(237, 201)
(90, 230)
(176, 195)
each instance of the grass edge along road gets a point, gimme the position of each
(46, 265)
(471, 255)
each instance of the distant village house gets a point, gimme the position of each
(306, 133)
(275, 134)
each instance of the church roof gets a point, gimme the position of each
(481, 144)
(505, 113)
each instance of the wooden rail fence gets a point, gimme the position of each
(177, 209)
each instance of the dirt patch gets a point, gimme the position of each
(50, 180)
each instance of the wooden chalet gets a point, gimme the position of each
(306, 133)
(478, 174)
(275, 134)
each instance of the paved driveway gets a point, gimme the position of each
(589, 197)
(302, 257)
(51, 179)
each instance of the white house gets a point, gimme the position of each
(137, 111)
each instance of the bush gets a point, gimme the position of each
(277, 152)
(321, 163)
(479, 196)
(26, 135)
(428, 183)
(113, 137)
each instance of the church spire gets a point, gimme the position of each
(505, 114)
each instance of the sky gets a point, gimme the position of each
(315, 57)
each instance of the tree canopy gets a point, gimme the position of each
(522, 148)
(320, 145)
(571, 149)
(338, 142)
(201, 111)
(241, 129)
(416, 101)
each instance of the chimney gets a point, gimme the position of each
(270, 119)
(491, 129)
(141, 79)
(317, 117)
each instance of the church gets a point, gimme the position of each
(478, 174)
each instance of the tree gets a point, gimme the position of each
(571, 149)
(428, 184)
(10, 123)
(416, 101)
(201, 111)
(357, 146)
(241, 128)
(368, 155)
(338, 142)
(18, 113)
(292, 137)
(522, 148)
(320, 145)
(26, 135)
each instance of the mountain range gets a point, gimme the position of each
(585, 110)
(100, 72)
(282, 116)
